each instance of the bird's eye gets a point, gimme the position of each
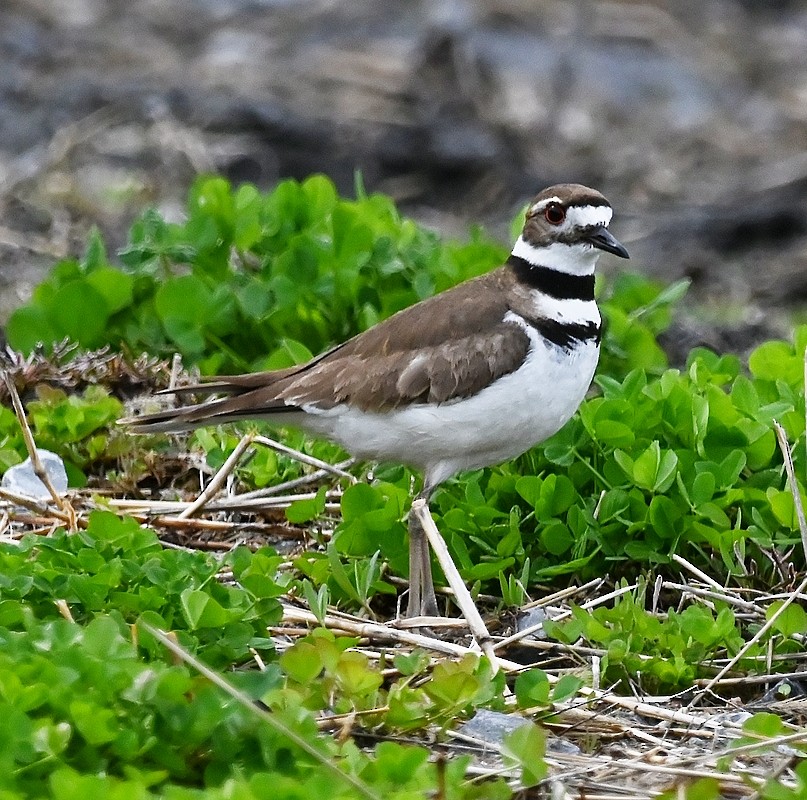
(554, 214)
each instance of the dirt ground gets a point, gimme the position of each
(690, 116)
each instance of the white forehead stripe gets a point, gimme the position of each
(540, 206)
(585, 216)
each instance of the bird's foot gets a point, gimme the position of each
(423, 606)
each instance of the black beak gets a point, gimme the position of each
(603, 240)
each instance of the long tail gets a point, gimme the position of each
(254, 396)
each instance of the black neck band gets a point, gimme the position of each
(569, 334)
(553, 282)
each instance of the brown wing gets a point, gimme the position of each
(444, 348)
(441, 349)
(437, 374)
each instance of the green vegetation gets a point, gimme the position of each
(658, 462)
(255, 281)
(93, 696)
(249, 281)
(79, 427)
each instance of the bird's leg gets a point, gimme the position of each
(462, 596)
(422, 600)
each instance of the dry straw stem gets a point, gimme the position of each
(461, 594)
(723, 595)
(253, 501)
(589, 604)
(159, 507)
(303, 458)
(36, 463)
(707, 579)
(43, 509)
(564, 594)
(770, 677)
(294, 483)
(257, 500)
(215, 526)
(379, 632)
(784, 446)
(219, 478)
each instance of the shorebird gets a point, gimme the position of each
(471, 377)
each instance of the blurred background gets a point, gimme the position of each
(690, 115)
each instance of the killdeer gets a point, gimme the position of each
(465, 379)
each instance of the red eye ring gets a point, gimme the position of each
(554, 214)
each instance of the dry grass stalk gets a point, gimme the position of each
(723, 595)
(379, 632)
(461, 594)
(219, 478)
(784, 446)
(286, 486)
(62, 503)
(589, 604)
(303, 458)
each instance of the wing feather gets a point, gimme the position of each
(442, 349)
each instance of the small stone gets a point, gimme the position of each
(21, 478)
(492, 726)
(529, 619)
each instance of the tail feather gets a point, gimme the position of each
(235, 384)
(213, 412)
(174, 419)
(254, 395)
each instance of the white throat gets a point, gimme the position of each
(573, 259)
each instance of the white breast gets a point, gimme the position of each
(504, 420)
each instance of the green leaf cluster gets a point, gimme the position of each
(636, 310)
(117, 568)
(662, 653)
(324, 673)
(77, 427)
(93, 704)
(249, 280)
(257, 281)
(84, 713)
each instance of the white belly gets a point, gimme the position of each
(502, 421)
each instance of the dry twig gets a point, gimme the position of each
(40, 472)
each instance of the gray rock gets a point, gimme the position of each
(492, 726)
(529, 619)
(21, 478)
